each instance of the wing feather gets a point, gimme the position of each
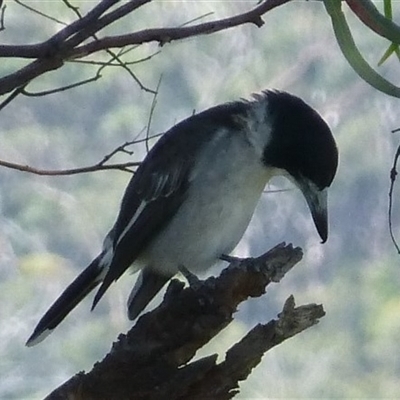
(155, 201)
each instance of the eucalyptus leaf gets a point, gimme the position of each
(352, 54)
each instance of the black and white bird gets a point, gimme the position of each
(192, 198)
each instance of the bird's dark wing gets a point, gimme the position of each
(152, 197)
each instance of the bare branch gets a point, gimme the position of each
(63, 88)
(73, 8)
(167, 35)
(111, 64)
(393, 176)
(96, 24)
(73, 171)
(198, 18)
(153, 360)
(11, 97)
(42, 14)
(113, 55)
(100, 166)
(67, 43)
(53, 45)
(119, 149)
(28, 73)
(133, 75)
(241, 358)
(82, 23)
(2, 16)
(152, 108)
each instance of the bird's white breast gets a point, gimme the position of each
(226, 184)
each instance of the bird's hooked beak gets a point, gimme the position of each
(317, 201)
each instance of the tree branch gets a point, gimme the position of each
(152, 361)
(100, 166)
(393, 176)
(2, 15)
(67, 43)
(42, 14)
(167, 35)
(71, 171)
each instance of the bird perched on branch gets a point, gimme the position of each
(192, 198)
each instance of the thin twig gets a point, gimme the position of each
(2, 16)
(73, 171)
(149, 138)
(62, 88)
(66, 87)
(118, 149)
(113, 55)
(135, 78)
(140, 60)
(123, 65)
(100, 22)
(152, 107)
(167, 35)
(66, 44)
(393, 175)
(81, 23)
(197, 18)
(12, 96)
(100, 166)
(41, 13)
(70, 6)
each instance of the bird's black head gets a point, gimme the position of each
(301, 141)
(302, 144)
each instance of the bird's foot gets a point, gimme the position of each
(230, 259)
(192, 279)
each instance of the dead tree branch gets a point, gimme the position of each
(70, 171)
(99, 166)
(152, 361)
(78, 39)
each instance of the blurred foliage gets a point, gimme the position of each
(50, 227)
(376, 22)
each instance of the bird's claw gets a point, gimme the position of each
(192, 279)
(230, 259)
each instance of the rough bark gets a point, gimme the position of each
(152, 361)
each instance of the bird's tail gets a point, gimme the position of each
(72, 295)
(148, 284)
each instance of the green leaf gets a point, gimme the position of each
(387, 9)
(352, 54)
(366, 11)
(393, 48)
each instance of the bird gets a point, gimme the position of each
(191, 199)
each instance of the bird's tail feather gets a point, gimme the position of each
(146, 287)
(72, 295)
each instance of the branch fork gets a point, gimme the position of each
(153, 360)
